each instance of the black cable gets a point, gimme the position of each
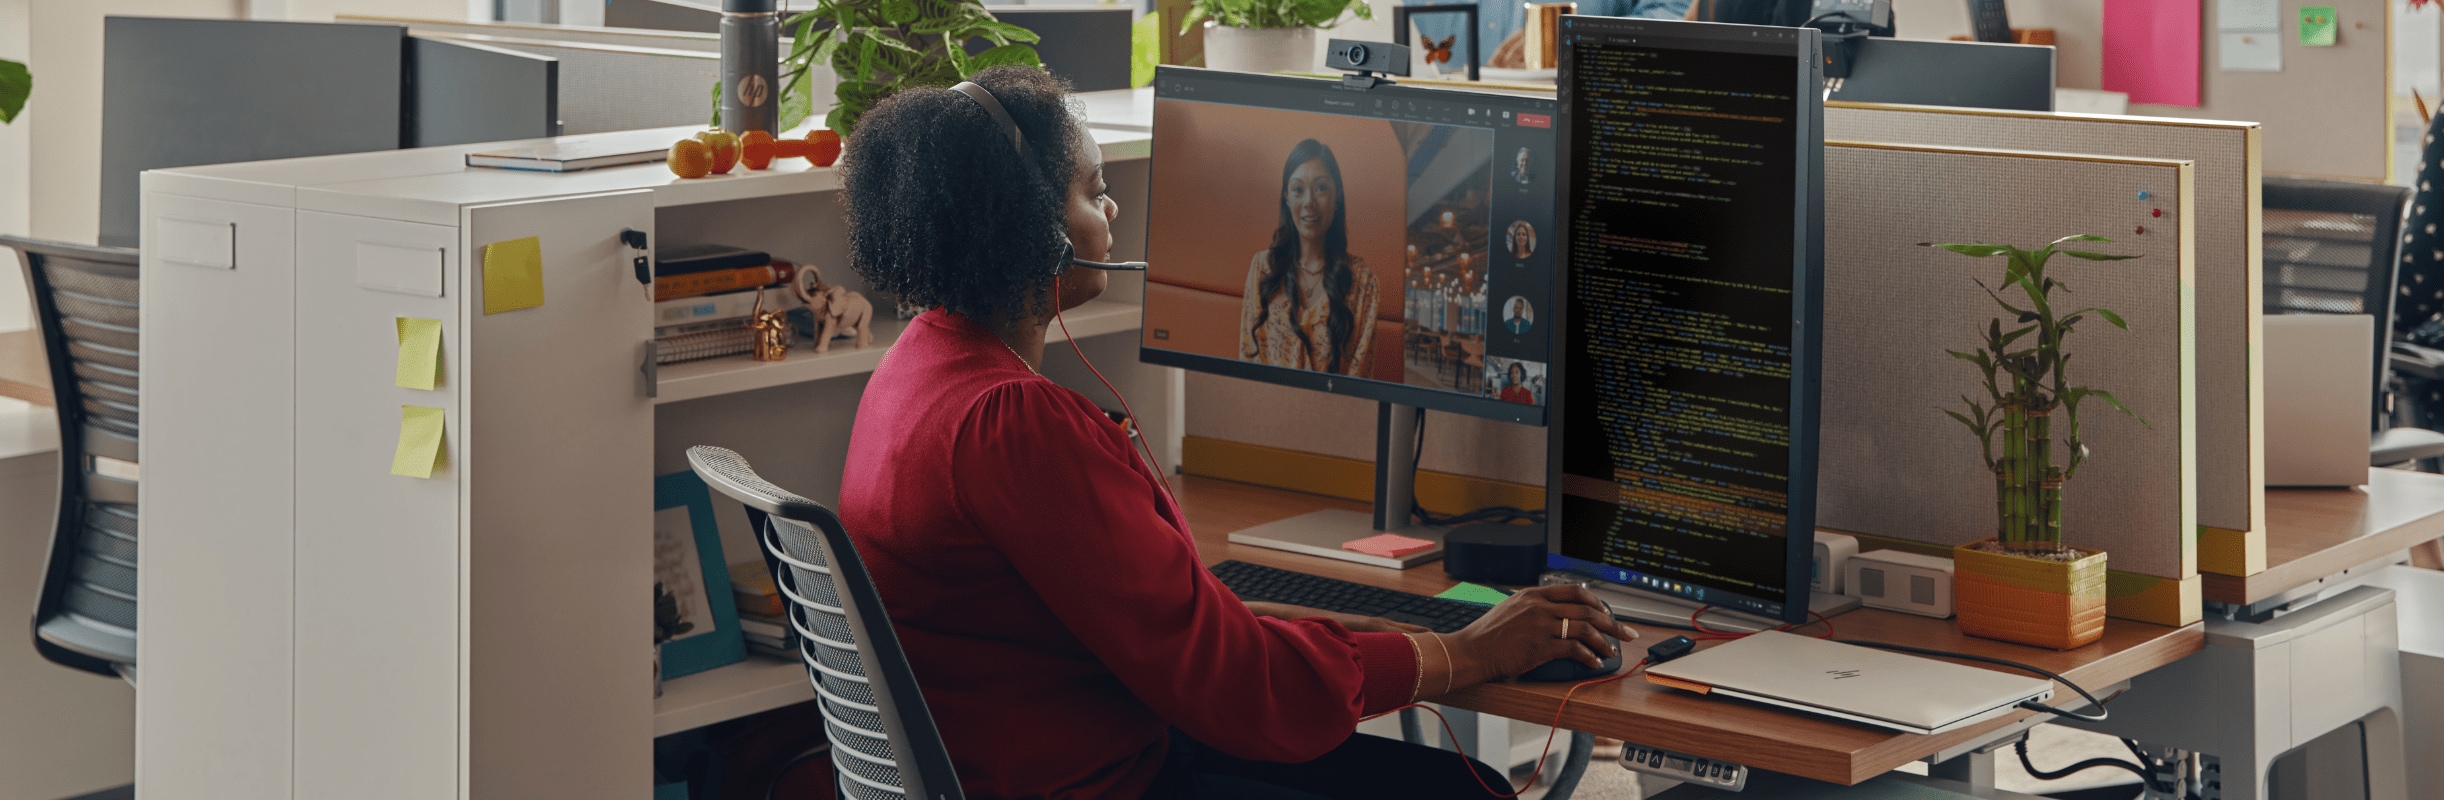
(1501, 515)
(2031, 705)
(2083, 766)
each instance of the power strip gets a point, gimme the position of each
(1684, 768)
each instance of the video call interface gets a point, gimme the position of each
(1679, 290)
(1395, 234)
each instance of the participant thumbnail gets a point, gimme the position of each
(1512, 380)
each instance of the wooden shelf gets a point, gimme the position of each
(755, 685)
(732, 374)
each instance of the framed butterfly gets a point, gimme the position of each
(1440, 52)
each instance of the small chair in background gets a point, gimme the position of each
(85, 301)
(2334, 247)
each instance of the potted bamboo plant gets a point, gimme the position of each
(2023, 585)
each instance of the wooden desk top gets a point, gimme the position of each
(2314, 533)
(1637, 711)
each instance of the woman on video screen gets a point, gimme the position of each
(1308, 303)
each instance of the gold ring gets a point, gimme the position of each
(1565, 627)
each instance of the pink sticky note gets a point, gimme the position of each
(1386, 545)
(2151, 50)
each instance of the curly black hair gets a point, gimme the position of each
(942, 213)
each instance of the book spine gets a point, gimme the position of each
(715, 307)
(703, 283)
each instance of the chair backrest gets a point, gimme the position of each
(2335, 247)
(884, 743)
(85, 301)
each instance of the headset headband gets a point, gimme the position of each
(1018, 141)
(992, 106)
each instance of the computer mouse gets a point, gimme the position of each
(1568, 669)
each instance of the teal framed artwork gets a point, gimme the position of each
(695, 618)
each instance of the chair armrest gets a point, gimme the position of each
(2414, 361)
(2396, 445)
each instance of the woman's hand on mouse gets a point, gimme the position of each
(1526, 631)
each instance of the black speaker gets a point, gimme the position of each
(1499, 554)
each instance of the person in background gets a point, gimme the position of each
(1041, 579)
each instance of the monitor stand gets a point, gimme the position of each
(1646, 607)
(1321, 533)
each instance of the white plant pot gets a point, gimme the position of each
(1259, 49)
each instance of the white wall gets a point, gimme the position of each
(16, 187)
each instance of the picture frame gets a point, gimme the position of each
(1402, 15)
(687, 545)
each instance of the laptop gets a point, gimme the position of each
(2319, 384)
(1885, 689)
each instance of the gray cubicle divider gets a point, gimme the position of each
(464, 93)
(581, 34)
(2231, 451)
(606, 87)
(1894, 465)
(664, 15)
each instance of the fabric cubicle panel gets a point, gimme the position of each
(1893, 465)
(2328, 112)
(2227, 159)
(620, 88)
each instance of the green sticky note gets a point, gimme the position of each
(2317, 26)
(1473, 593)
(419, 353)
(513, 275)
(421, 449)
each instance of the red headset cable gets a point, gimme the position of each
(1153, 464)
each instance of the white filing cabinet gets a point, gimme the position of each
(316, 627)
(2420, 598)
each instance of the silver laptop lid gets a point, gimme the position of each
(1848, 680)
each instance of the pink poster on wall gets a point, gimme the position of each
(2151, 50)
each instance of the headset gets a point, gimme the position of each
(1069, 253)
(1069, 257)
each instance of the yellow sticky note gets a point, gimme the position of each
(421, 449)
(513, 275)
(419, 353)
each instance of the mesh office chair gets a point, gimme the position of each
(884, 744)
(2336, 248)
(85, 298)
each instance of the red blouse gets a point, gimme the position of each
(1050, 598)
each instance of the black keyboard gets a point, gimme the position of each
(1267, 584)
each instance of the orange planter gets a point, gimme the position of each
(2057, 604)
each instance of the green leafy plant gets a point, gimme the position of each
(1273, 13)
(878, 47)
(2026, 381)
(15, 85)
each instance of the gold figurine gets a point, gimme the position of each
(772, 331)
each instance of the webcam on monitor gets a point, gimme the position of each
(1366, 59)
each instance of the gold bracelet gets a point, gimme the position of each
(1420, 683)
(1449, 666)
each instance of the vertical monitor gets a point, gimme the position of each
(1683, 456)
(1394, 243)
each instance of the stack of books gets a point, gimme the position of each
(762, 616)
(703, 295)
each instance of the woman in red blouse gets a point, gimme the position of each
(1045, 586)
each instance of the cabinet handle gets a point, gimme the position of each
(652, 369)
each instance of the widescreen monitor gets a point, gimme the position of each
(1393, 243)
(1683, 454)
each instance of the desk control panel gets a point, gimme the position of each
(1684, 768)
